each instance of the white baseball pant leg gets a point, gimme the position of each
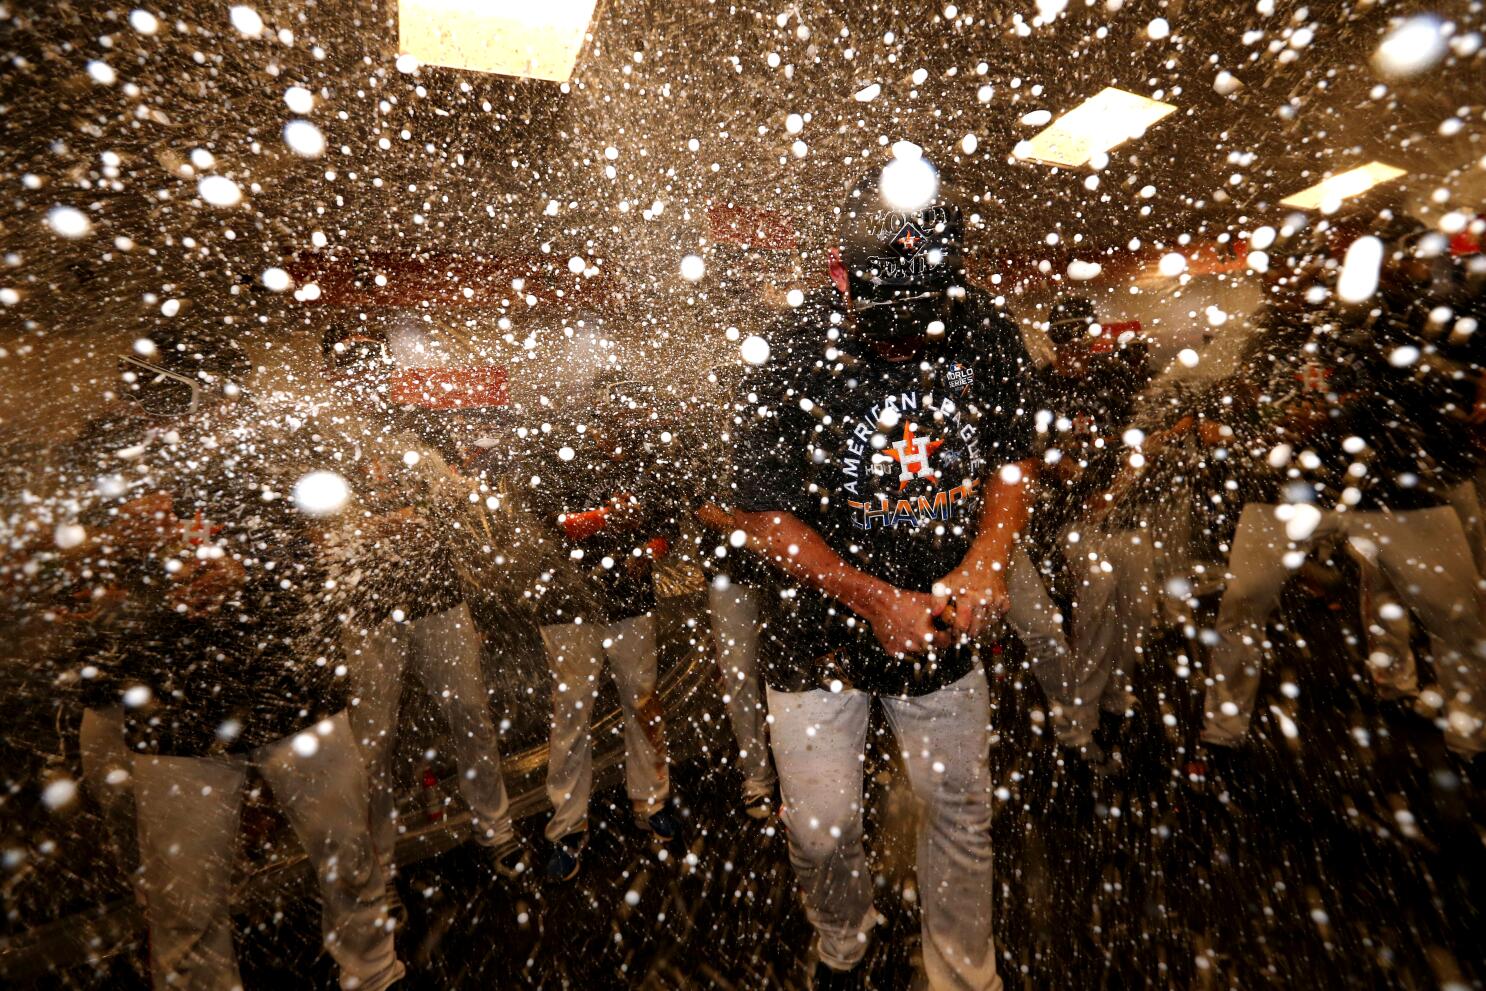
(188, 822)
(1386, 626)
(1113, 607)
(1423, 554)
(1039, 625)
(734, 616)
(1256, 575)
(818, 739)
(1465, 499)
(442, 651)
(446, 661)
(575, 656)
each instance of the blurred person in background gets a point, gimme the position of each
(221, 660)
(1156, 528)
(397, 561)
(1084, 403)
(608, 482)
(1368, 431)
(736, 583)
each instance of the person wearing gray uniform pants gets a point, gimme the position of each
(1365, 447)
(411, 618)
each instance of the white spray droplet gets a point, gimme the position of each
(908, 184)
(321, 493)
(247, 21)
(299, 100)
(68, 222)
(219, 191)
(1172, 264)
(59, 793)
(693, 268)
(1359, 278)
(70, 535)
(755, 349)
(143, 21)
(1414, 46)
(304, 139)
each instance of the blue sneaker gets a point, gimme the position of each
(567, 857)
(663, 826)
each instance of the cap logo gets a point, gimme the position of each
(909, 240)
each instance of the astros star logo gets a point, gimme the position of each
(912, 454)
(909, 239)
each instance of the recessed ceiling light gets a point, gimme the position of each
(508, 37)
(1104, 121)
(1328, 194)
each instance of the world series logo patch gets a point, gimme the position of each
(959, 377)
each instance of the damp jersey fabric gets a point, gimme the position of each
(888, 462)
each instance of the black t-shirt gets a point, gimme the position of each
(1368, 402)
(607, 577)
(232, 673)
(888, 463)
(1084, 407)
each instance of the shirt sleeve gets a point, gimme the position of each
(1006, 388)
(771, 435)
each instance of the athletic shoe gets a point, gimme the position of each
(827, 978)
(509, 859)
(663, 826)
(567, 857)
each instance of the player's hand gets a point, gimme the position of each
(977, 594)
(715, 516)
(207, 586)
(623, 512)
(145, 522)
(903, 623)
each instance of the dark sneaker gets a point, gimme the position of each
(1222, 772)
(510, 859)
(663, 826)
(830, 979)
(567, 857)
(759, 806)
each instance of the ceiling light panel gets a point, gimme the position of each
(1104, 121)
(534, 40)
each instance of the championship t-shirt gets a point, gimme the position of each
(888, 462)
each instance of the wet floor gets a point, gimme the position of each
(1350, 856)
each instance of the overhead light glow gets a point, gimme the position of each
(507, 37)
(1353, 182)
(1104, 121)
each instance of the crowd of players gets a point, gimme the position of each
(234, 582)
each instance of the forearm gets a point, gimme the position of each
(795, 548)
(1002, 517)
